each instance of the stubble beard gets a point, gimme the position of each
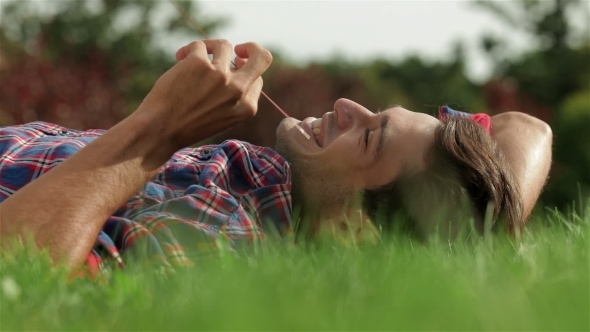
(315, 185)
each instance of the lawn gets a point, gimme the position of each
(494, 283)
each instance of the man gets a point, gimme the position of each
(138, 189)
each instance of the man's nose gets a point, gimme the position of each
(349, 113)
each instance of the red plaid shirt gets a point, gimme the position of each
(233, 193)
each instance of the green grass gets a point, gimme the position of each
(496, 283)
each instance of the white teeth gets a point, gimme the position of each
(316, 128)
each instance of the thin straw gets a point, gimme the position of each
(196, 26)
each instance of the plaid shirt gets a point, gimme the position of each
(202, 198)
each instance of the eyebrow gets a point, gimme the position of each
(382, 135)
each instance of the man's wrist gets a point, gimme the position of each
(146, 138)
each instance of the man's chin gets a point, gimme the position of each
(286, 125)
(283, 137)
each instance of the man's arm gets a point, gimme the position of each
(526, 143)
(65, 209)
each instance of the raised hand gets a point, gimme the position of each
(198, 97)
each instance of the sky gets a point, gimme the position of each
(362, 30)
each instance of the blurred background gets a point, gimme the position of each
(88, 64)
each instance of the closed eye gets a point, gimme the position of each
(367, 131)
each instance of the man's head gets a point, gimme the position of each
(392, 161)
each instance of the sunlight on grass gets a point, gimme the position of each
(541, 283)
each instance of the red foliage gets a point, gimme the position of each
(503, 95)
(72, 94)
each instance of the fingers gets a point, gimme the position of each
(259, 59)
(197, 48)
(197, 98)
(252, 59)
(240, 62)
(249, 103)
(221, 50)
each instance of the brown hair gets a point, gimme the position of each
(466, 178)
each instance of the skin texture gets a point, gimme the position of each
(70, 205)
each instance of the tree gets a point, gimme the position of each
(560, 66)
(86, 63)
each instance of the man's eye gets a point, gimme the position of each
(367, 138)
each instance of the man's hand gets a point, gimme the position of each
(198, 97)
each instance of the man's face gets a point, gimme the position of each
(351, 149)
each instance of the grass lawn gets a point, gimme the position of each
(494, 283)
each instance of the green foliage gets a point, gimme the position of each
(552, 76)
(496, 283)
(571, 170)
(556, 69)
(546, 20)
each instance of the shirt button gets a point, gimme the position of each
(206, 152)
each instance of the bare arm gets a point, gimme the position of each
(65, 209)
(526, 143)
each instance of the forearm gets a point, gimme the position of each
(526, 143)
(65, 209)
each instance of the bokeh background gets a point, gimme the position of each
(88, 64)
